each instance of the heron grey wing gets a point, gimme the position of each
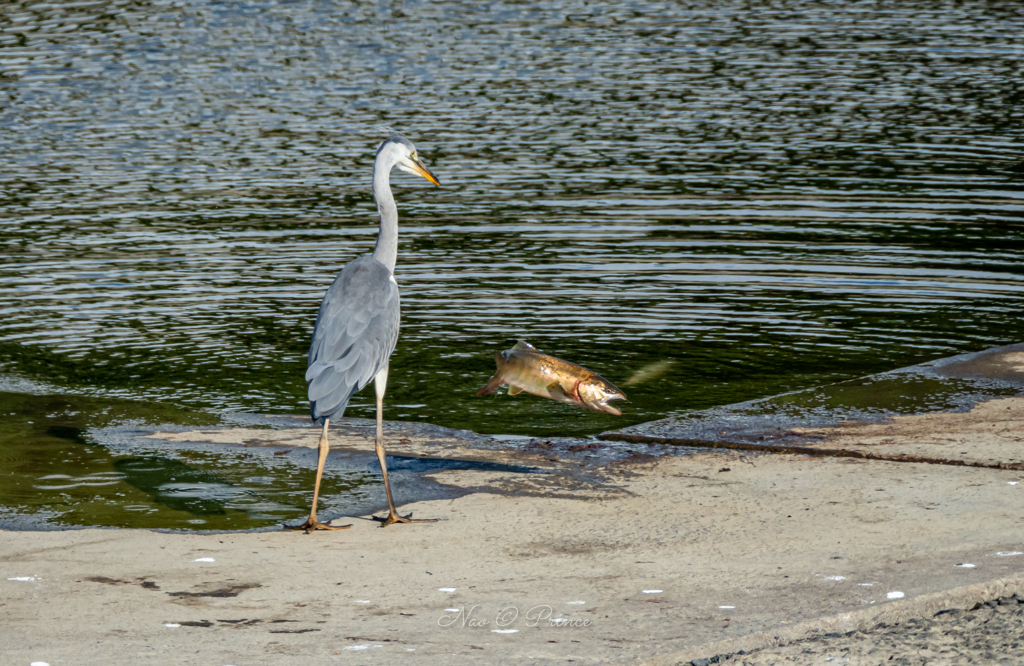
(355, 334)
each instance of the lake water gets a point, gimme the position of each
(759, 199)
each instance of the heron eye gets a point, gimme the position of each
(413, 155)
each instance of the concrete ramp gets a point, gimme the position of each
(949, 412)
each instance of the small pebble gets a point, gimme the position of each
(894, 595)
(652, 591)
(446, 589)
(204, 559)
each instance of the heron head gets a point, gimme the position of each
(403, 155)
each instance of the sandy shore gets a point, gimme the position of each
(643, 560)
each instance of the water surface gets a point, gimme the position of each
(772, 197)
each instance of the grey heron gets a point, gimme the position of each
(357, 326)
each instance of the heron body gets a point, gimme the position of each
(357, 326)
(355, 334)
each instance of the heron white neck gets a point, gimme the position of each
(386, 250)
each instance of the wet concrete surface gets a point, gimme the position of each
(804, 422)
(255, 471)
(417, 452)
(248, 472)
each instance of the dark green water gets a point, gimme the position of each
(56, 470)
(771, 196)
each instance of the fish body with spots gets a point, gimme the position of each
(525, 368)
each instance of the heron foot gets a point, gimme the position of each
(313, 524)
(393, 518)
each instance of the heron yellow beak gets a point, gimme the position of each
(421, 170)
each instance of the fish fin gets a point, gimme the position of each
(555, 388)
(494, 382)
(492, 385)
(523, 345)
(514, 390)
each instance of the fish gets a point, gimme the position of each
(525, 368)
(648, 372)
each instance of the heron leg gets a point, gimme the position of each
(380, 384)
(313, 523)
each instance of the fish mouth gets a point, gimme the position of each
(608, 409)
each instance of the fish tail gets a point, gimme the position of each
(497, 380)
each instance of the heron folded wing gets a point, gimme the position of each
(355, 333)
(331, 402)
(326, 383)
(314, 370)
(357, 365)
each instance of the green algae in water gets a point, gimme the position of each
(54, 475)
(915, 390)
(887, 395)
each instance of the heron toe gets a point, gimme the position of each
(311, 525)
(393, 518)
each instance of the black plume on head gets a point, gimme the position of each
(394, 137)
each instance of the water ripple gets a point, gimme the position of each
(818, 191)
